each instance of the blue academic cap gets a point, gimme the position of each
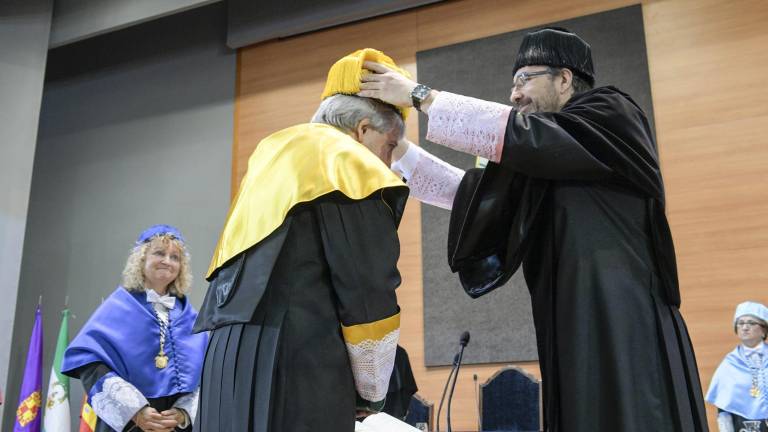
(156, 230)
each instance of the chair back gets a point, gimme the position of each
(510, 401)
(420, 411)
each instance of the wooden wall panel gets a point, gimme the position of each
(714, 158)
(706, 62)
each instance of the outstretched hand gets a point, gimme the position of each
(386, 85)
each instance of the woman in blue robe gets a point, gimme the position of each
(136, 356)
(739, 388)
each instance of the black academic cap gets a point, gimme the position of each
(557, 47)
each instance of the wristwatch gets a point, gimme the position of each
(419, 94)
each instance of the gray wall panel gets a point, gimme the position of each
(24, 29)
(75, 20)
(500, 322)
(135, 129)
(251, 22)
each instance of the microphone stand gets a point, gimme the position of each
(455, 377)
(442, 398)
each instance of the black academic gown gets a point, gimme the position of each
(277, 361)
(578, 199)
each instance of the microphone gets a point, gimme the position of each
(464, 339)
(463, 342)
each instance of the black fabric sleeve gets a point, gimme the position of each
(90, 374)
(537, 146)
(602, 135)
(362, 248)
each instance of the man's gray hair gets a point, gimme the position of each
(345, 112)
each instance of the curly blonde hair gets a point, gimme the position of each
(133, 273)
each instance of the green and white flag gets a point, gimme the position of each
(57, 405)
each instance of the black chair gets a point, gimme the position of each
(420, 411)
(510, 401)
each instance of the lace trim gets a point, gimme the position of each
(117, 401)
(725, 422)
(188, 403)
(434, 181)
(468, 125)
(407, 163)
(372, 362)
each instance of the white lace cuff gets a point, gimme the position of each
(432, 180)
(188, 403)
(116, 401)
(468, 125)
(725, 422)
(371, 348)
(407, 163)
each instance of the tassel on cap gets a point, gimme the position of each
(345, 75)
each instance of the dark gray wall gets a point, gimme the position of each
(24, 29)
(501, 322)
(135, 129)
(75, 20)
(252, 22)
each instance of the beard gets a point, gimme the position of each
(547, 101)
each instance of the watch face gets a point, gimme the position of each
(418, 95)
(421, 92)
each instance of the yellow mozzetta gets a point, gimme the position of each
(292, 166)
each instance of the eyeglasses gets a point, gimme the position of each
(523, 77)
(747, 323)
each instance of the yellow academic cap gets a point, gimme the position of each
(344, 76)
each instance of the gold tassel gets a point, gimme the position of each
(345, 75)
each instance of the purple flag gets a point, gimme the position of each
(30, 410)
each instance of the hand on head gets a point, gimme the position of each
(386, 85)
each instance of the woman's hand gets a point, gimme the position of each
(149, 420)
(178, 415)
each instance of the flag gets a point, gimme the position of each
(57, 404)
(30, 401)
(87, 417)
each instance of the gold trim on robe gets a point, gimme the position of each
(292, 166)
(370, 331)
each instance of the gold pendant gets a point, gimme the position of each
(161, 361)
(754, 392)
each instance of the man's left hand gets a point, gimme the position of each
(386, 85)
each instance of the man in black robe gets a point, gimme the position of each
(573, 191)
(301, 307)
